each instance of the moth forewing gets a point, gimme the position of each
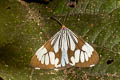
(43, 57)
(65, 49)
(87, 54)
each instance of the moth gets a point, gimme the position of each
(65, 49)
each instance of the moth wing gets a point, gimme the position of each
(84, 54)
(65, 49)
(46, 57)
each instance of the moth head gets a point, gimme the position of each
(63, 27)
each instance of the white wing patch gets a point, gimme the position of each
(77, 56)
(56, 63)
(73, 61)
(40, 52)
(72, 44)
(46, 59)
(92, 65)
(64, 59)
(54, 37)
(82, 57)
(74, 36)
(64, 43)
(56, 46)
(86, 56)
(43, 59)
(52, 58)
(37, 68)
(88, 49)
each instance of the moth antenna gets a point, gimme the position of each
(58, 21)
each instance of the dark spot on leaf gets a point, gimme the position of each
(1, 78)
(73, 3)
(38, 1)
(109, 61)
(8, 7)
